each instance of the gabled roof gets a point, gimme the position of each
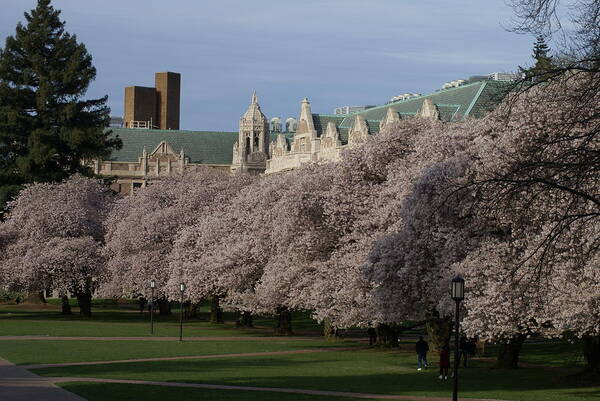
(201, 147)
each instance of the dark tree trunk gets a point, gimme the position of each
(35, 297)
(195, 310)
(591, 352)
(85, 303)
(508, 355)
(284, 322)
(244, 319)
(187, 309)
(66, 307)
(387, 336)
(439, 330)
(330, 332)
(216, 313)
(164, 306)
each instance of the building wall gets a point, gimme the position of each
(140, 104)
(162, 162)
(168, 87)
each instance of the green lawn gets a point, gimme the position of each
(359, 371)
(29, 352)
(547, 377)
(105, 322)
(129, 392)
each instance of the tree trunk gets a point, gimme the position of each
(195, 310)
(284, 322)
(85, 303)
(35, 297)
(439, 331)
(508, 355)
(216, 313)
(187, 309)
(591, 352)
(66, 307)
(244, 319)
(386, 336)
(329, 331)
(164, 306)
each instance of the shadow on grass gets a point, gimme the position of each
(128, 392)
(343, 374)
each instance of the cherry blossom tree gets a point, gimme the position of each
(509, 211)
(225, 252)
(142, 228)
(53, 237)
(537, 175)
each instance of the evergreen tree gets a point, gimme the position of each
(544, 66)
(46, 127)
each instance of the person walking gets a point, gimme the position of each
(421, 347)
(444, 362)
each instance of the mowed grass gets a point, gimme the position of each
(30, 352)
(547, 375)
(16, 320)
(129, 392)
(381, 372)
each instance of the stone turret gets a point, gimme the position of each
(429, 110)
(390, 119)
(306, 125)
(251, 151)
(359, 131)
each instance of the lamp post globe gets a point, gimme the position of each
(457, 288)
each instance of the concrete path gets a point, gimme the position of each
(267, 389)
(17, 384)
(226, 338)
(176, 358)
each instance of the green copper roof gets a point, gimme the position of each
(473, 99)
(201, 147)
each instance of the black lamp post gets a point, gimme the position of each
(152, 287)
(457, 292)
(181, 289)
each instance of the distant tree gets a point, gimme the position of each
(46, 127)
(52, 238)
(544, 67)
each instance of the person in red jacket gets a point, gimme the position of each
(444, 362)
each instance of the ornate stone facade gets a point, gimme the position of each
(251, 151)
(261, 147)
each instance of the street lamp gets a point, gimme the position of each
(152, 287)
(457, 292)
(181, 289)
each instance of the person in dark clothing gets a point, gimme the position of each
(444, 362)
(372, 333)
(421, 347)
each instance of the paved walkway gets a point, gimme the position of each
(17, 384)
(225, 338)
(175, 358)
(266, 389)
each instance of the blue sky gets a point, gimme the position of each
(334, 52)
